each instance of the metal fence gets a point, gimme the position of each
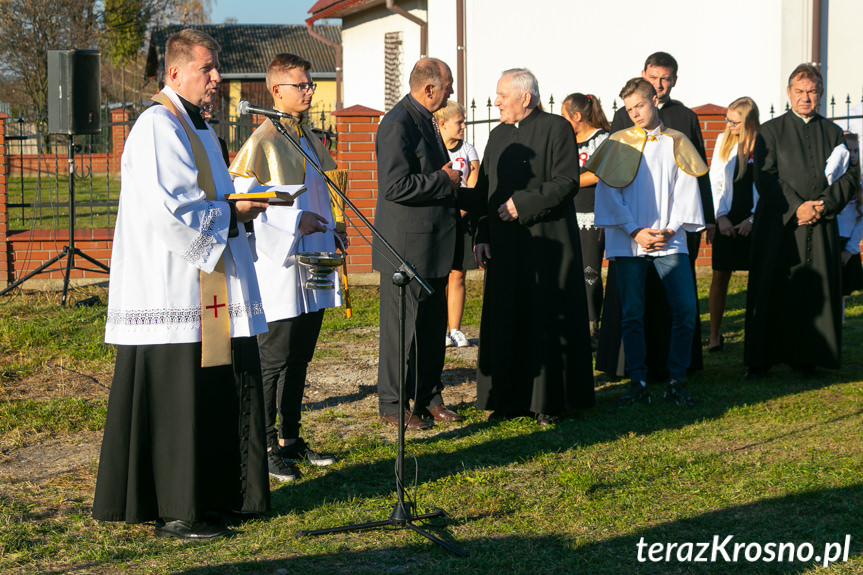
(38, 171)
(842, 111)
(38, 184)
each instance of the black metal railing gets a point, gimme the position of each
(490, 122)
(38, 179)
(38, 170)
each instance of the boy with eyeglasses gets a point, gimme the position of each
(294, 313)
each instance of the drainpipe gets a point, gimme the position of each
(816, 33)
(424, 42)
(460, 53)
(337, 50)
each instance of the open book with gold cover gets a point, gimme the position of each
(276, 195)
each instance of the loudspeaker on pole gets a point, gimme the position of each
(74, 92)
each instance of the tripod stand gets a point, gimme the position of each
(69, 251)
(401, 515)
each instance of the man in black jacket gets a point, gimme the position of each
(416, 212)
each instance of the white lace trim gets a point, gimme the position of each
(585, 220)
(176, 317)
(201, 246)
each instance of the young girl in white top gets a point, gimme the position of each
(451, 123)
(734, 201)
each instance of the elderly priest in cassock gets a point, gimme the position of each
(534, 350)
(184, 437)
(794, 302)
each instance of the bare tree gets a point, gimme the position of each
(189, 12)
(28, 29)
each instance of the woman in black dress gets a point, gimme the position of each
(584, 113)
(734, 201)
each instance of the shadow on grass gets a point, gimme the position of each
(809, 521)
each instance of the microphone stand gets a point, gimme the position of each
(401, 515)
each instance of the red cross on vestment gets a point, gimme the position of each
(215, 307)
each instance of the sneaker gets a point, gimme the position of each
(637, 394)
(448, 342)
(300, 451)
(458, 338)
(676, 392)
(278, 467)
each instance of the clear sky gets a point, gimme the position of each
(262, 11)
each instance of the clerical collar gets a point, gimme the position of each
(530, 116)
(805, 120)
(194, 113)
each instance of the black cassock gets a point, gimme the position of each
(794, 301)
(182, 441)
(657, 316)
(534, 350)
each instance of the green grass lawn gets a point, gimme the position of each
(775, 461)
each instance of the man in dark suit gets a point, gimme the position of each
(416, 212)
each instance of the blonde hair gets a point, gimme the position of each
(449, 111)
(748, 111)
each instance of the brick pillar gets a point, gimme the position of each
(712, 121)
(119, 131)
(356, 128)
(6, 262)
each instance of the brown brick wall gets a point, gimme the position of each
(356, 128)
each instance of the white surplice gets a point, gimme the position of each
(278, 242)
(662, 196)
(166, 231)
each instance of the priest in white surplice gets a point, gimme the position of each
(183, 441)
(646, 198)
(294, 313)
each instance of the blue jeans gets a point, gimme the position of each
(676, 276)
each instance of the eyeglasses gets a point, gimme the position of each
(303, 87)
(733, 124)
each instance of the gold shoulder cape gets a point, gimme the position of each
(269, 158)
(617, 160)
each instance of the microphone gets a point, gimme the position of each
(245, 108)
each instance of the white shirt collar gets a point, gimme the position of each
(805, 120)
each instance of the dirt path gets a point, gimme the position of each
(342, 378)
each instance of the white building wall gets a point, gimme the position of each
(725, 49)
(844, 69)
(363, 52)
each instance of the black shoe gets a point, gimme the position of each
(676, 392)
(637, 394)
(300, 451)
(192, 530)
(278, 467)
(546, 419)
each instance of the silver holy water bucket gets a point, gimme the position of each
(321, 266)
